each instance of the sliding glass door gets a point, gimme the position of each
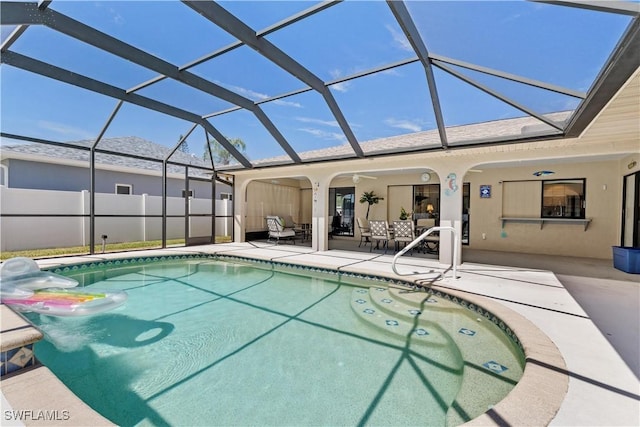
(341, 210)
(631, 210)
(426, 204)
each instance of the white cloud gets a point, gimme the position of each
(400, 39)
(513, 17)
(248, 93)
(391, 72)
(66, 131)
(112, 13)
(340, 87)
(332, 123)
(287, 103)
(412, 126)
(117, 18)
(333, 136)
(251, 94)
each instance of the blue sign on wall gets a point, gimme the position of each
(485, 191)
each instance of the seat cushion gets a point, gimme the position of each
(284, 233)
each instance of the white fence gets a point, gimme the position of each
(36, 232)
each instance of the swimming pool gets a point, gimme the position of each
(203, 341)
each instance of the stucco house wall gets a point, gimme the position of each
(603, 189)
(602, 165)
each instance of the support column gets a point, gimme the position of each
(451, 183)
(239, 209)
(319, 226)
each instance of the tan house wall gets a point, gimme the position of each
(630, 164)
(603, 202)
(603, 206)
(602, 193)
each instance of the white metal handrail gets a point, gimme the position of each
(456, 243)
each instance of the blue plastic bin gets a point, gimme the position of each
(626, 259)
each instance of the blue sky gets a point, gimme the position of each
(558, 45)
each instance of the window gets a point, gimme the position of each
(563, 198)
(184, 194)
(426, 201)
(226, 196)
(4, 176)
(124, 189)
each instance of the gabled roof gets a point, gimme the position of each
(475, 134)
(131, 145)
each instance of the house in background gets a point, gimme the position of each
(61, 168)
(46, 198)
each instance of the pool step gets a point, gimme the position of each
(17, 337)
(376, 307)
(432, 321)
(490, 376)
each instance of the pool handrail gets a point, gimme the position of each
(417, 240)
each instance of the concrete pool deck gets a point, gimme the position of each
(602, 388)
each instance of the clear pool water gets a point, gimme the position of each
(207, 342)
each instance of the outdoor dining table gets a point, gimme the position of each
(428, 246)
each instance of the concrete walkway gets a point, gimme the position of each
(610, 297)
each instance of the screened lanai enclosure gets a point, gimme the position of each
(126, 121)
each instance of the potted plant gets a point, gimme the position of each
(403, 214)
(371, 198)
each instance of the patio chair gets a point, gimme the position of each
(290, 223)
(278, 231)
(365, 231)
(337, 226)
(380, 233)
(403, 233)
(431, 243)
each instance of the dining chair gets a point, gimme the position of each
(380, 233)
(365, 231)
(403, 233)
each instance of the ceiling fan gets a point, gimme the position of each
(357, 177)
